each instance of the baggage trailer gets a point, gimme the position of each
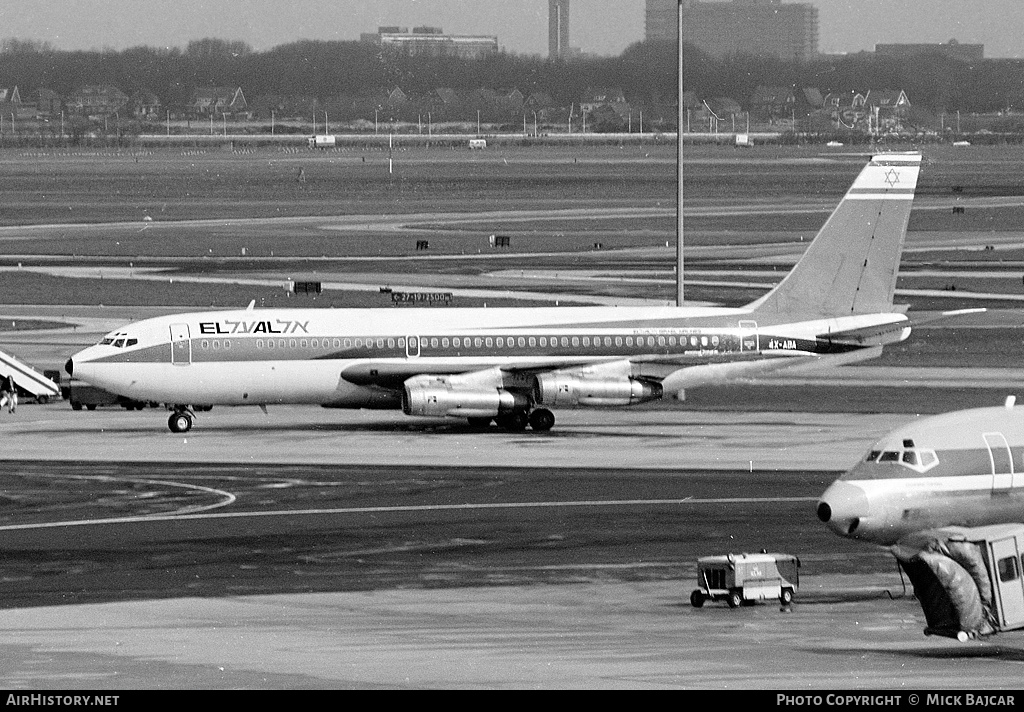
(742, 579)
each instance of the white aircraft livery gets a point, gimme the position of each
(961, 469)
(513, 365)
(946, 495)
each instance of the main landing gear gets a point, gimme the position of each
(181, 419)
(540, 420)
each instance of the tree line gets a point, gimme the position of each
(645, 71)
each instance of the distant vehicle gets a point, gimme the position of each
(834, 144)
(961, 143)
(744, 141)
(746, 578)
(81, 395)
(475, 143)
(324, 141)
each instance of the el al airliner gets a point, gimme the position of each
(514, 365)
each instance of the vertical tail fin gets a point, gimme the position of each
(851, 265)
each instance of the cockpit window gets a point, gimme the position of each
(873, 455)
(889, 456)
(909, 457)
(118, 341)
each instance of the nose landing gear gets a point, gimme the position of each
(181, 419)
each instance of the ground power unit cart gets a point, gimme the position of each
(742, 579)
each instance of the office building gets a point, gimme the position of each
(757, 27)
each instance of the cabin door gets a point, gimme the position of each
(748, 336)
(412, 346)
(1001, 460)
(1009, 584)
(181, 345)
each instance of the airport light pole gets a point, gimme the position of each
(679, 161)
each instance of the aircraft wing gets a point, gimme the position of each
(718, 373)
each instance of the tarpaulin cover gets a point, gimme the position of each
(950, 581)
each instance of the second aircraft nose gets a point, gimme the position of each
(842, 507)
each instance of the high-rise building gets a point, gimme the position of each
(758, 27)
(558, 29)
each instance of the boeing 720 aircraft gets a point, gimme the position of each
(514, 365)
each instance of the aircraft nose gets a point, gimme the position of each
(842, 507)
(70, 367)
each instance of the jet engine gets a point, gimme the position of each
(561, 389)
(433, 396)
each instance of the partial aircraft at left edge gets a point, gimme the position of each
(514, 365)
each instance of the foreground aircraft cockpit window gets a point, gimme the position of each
(916, 459)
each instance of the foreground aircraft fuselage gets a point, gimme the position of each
(514, 365)
(958, 469)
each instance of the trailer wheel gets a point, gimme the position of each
(90, 406)
(75, 405)
(735, 599)
(697, 599)
(786, 597)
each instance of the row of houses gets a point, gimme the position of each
(104, 100)
(878, 109)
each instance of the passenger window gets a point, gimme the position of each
(889, 456)
(433, 342)
(522, 342)
(1009, 569)
(586, 341)
(489, 342)
(661, 341)
(478, 342)
(391, 343)
(714, 341)
(618, 341)
(445, 343)
(575, 341)
(533, 342)
(543, 341)
(348, 343)
(565, 341)
(457, 342)
(380, 343)
(629, 341)
(401, 342)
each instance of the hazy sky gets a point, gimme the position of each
(597, 26)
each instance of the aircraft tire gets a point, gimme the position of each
(735, 599)
(90, 406)
(76, 405)
(513, 422)
(697, 599)
(542, 419)
(179, 422)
